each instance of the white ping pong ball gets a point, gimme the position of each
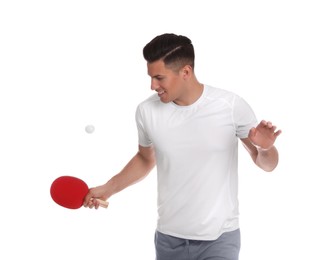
(89, 129)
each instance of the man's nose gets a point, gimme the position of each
(154, 85)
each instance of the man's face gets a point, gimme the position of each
(168, 83)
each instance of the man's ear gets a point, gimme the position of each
(186, 71)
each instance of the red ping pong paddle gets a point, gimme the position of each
(69, 192)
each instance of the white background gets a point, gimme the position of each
(66, 64)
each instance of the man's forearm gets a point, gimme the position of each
(137, 169)
(267, 159)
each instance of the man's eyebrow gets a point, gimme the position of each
(156, 76)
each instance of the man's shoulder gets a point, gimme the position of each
(215, 92)
(152, 100)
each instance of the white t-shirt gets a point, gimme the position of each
(196, 150)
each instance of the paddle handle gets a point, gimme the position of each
(103, 203)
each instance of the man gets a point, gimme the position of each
(191, 131)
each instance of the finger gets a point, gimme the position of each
(269, 124)
(87, 200)
(252, 132)
(91, 204)
(89, 197)
(277, 133)
(263, 123)
(97, 204)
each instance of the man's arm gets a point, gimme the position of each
(260, 145)
(136, 169)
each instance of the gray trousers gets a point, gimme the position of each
(226, 247)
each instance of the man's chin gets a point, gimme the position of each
(165, 100)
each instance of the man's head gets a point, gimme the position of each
(175, 51)
(170, 62)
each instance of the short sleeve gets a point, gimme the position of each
(243, 116)
(143, 137)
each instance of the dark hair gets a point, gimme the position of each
(176, 51)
